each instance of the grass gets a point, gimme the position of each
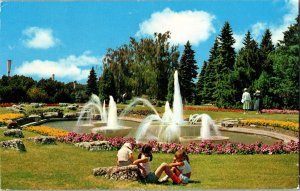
(64, 166)
(222, 115)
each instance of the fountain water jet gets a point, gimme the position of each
(177, 102)
(112, 128)
(89, 112)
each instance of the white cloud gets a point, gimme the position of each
(288, 19)
(238, 41)
(40, 38)
(68, 68)
(277, 29)
(195, 26)
(258, 29)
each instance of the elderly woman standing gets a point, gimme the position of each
(257, 104)
(246, 100)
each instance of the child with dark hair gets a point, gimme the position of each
(143, 162)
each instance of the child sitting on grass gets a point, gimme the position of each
(180, 167)
(143, 162)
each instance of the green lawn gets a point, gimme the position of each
(64, 166)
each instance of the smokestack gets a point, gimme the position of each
(52, 77)
(8, 67)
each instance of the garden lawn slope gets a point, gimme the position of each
(64, 166)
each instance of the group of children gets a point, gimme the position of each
(179, 170)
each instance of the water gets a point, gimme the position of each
(177, 102)
(91, 109)
(112, 119)
(206, 125)
(168, 114)
(136, 101)
(188, 130)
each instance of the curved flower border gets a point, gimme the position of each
(204, 147)
(263, 122)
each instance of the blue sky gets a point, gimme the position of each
(68, 38)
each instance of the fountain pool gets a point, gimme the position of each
(234, 137)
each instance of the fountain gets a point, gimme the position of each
(112, 128)
(91, 112)
(172, 127)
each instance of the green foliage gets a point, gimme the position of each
(13, 89)
(170, 89)
(266, 47)
(143, 67)
(36, 94)
(200, 85)
(210, 74)
(246, 68)
(224, 67)
(187, 71)
(107, 85)
(92, 83)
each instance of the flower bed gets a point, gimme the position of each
(44, 130)
(282, 124)
(283, 111)
(280, 111)
(10, 116)
(204, 147)
(211, 109)
(6, 104)
(50, 105)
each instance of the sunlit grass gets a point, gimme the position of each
(64, 166)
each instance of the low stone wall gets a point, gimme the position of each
(43, 139)
(95, 145)
(15, 144)
(130, 172)
(13, 125)
(14, 133)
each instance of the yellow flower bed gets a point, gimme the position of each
(10, 116)
(44, 130)
(283, 124)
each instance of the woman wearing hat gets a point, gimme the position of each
(124, 155)
(246, 100)
(257, 104)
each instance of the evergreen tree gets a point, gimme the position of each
(286, 69)
(265, 48)
(209, 86)
(224, 65)
(247, 67)
(92, 85)
(200, 85)
(171, 89)
(107, 85)
(187, 72)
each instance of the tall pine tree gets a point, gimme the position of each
(266, 46)
(107, 85)
(92, 84)
(286, 69)
(200, 85)
(224, 64)
(209, 86)
(247, 67)
(187, 72)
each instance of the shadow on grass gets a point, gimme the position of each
(168, 183)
